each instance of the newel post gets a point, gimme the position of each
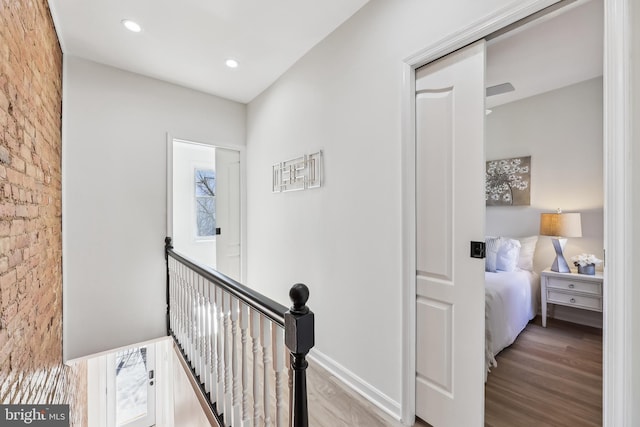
(167, 246)
(299, 339)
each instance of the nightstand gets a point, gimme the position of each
(571, 289)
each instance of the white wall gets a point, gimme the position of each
(115, 126)
(632, 255)
(344, 240)
(187, 158)
(562, 132)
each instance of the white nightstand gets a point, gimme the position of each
(571, 289)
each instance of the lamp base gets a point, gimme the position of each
(559, 264)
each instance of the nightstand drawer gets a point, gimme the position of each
(582, 301)
(574, 285)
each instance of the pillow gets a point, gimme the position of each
(491, 253)
(527, 250)
(508, 253)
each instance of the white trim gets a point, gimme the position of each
(478, 30)
(617, 358)
(169, 189)
(617, 142)
(366, 390)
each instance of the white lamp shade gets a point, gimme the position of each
(561, 224)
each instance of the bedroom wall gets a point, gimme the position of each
(344, 239)
(114, 173)
(562, 132)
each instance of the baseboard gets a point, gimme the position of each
(360, 386)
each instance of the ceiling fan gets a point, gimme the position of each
(499, 89)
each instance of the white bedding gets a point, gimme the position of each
(511, 301)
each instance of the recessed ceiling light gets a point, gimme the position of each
(131, 25)
(231, 63)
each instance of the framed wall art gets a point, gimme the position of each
(508, 182)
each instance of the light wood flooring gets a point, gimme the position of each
(549, 377)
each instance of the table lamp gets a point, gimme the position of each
(560, 225)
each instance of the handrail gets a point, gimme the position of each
(212, 356)
(270, 308)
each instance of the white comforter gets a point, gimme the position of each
(511, 300)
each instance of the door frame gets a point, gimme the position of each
(617, 317)
(243, 192)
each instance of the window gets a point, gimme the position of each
(131, 387)
(205, 182)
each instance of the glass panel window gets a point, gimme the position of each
(131, 385)
(205, 182)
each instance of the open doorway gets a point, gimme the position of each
(205, 205)
(551, 114)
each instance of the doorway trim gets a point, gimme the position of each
(243, 192)
(617, 204)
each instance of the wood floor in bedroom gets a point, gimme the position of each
(548, 377)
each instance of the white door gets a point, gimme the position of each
(228, 212)
(450, 213)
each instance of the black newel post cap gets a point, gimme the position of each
(299, 294)
(167, 243)
(299, 322)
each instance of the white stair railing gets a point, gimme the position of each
(240, 345)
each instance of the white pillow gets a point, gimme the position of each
(527, 250)
(508, 253)
(492, 245)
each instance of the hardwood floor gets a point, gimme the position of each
(549, 377)
(332, 404)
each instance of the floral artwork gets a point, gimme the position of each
(508, 182)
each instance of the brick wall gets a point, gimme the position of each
(31, 369)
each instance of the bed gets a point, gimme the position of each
(511, 301)
(512, 297)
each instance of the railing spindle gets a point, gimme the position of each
(277, 334)
(255, 350)
(244, 325)
(208, 322)
(265, 340)
(219, 351)
(235, 370)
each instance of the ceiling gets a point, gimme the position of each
(561, 49)
(187, 42)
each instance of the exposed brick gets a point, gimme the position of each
(7, 282)
(31, 368)
(5, 245)
(17, 226)
(7, 210)
(5, 157)
(22, 211)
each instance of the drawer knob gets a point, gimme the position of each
(572, 300)
(571, 286)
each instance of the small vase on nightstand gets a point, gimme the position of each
(589, 269)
